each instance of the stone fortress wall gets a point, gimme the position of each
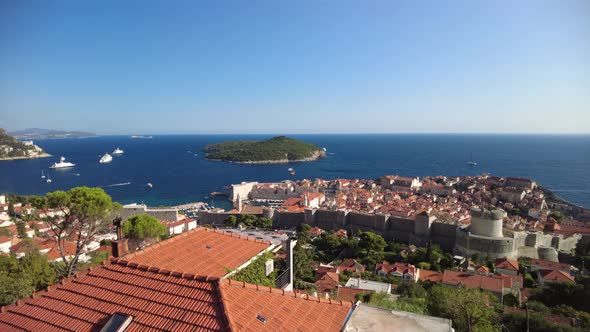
(484, 236)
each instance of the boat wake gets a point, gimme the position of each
(117, 184)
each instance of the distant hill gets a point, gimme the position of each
(278, 149)
(38, 133)
(12, 148)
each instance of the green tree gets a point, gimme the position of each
(21, 229)
(14, 287)
(263, 223)
(87, 211)
(40, 271)
(230, 221)
(11, 209)
(371, 242)
(302, 264)
(469, 309)
(303, 235)
(142, 229)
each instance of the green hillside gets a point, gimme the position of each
(10, 147)
(273, 149)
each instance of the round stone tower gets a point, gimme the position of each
(486, 223)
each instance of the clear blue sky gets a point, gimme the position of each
(295, 66)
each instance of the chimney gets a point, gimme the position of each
(120, 246)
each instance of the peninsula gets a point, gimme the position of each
(12, 149)
(280, 149)
(38, 133)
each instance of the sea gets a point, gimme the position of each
(176, 167)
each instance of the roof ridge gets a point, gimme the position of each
(172, 239)
(194, 230)
(281, 292)
(155, 269)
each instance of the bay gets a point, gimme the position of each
(558, 162)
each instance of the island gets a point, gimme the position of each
(11, 148)
(280, 149)
(38, 133)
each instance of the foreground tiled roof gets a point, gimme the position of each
(156, 301)
(201, 251)
(163, 300)
(280, 311)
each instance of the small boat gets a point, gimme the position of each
(106, 158)
(62, 164)
(42, 175)
(324, 149)
(149, 184)
(48, 180)
(118, 151)
(291, 171)
(471, 162)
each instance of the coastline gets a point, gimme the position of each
(318, 154)
(43, 155)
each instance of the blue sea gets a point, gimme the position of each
(176, 166)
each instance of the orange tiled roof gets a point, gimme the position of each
(556, 275)
(156, 301)
(202, 251)
(507, 264)
(283, 311)
(163, 300)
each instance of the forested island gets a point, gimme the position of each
(11, 148)
(280, 149)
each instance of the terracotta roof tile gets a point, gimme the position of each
(156, 302)
(201, 251)
(282, 311)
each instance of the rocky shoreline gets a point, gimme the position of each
(318, 154)
(42, 155)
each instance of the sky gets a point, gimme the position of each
(148, 67)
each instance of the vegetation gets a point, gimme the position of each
(255, 272)
(19, 149)
(21, 277)
(248, 220)
(469, 309)
(411, 304)
(274, 149)
(142, 229)
(86, 213)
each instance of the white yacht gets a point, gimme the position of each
(48, 180)
(118, 151)
(42, 175)
(107, 158)
(62, 164)
(149, 184)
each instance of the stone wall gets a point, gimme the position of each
(161, 214)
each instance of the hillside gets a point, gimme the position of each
(38, 133)
(11, 148)
(278, 149)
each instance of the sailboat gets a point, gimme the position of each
(48, 180)
(42, 175)
(471, 162)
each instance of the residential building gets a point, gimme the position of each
(506, 266)
(541, 264)
(405, 271)
(547, 276)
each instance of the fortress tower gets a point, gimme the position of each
(486, 223)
